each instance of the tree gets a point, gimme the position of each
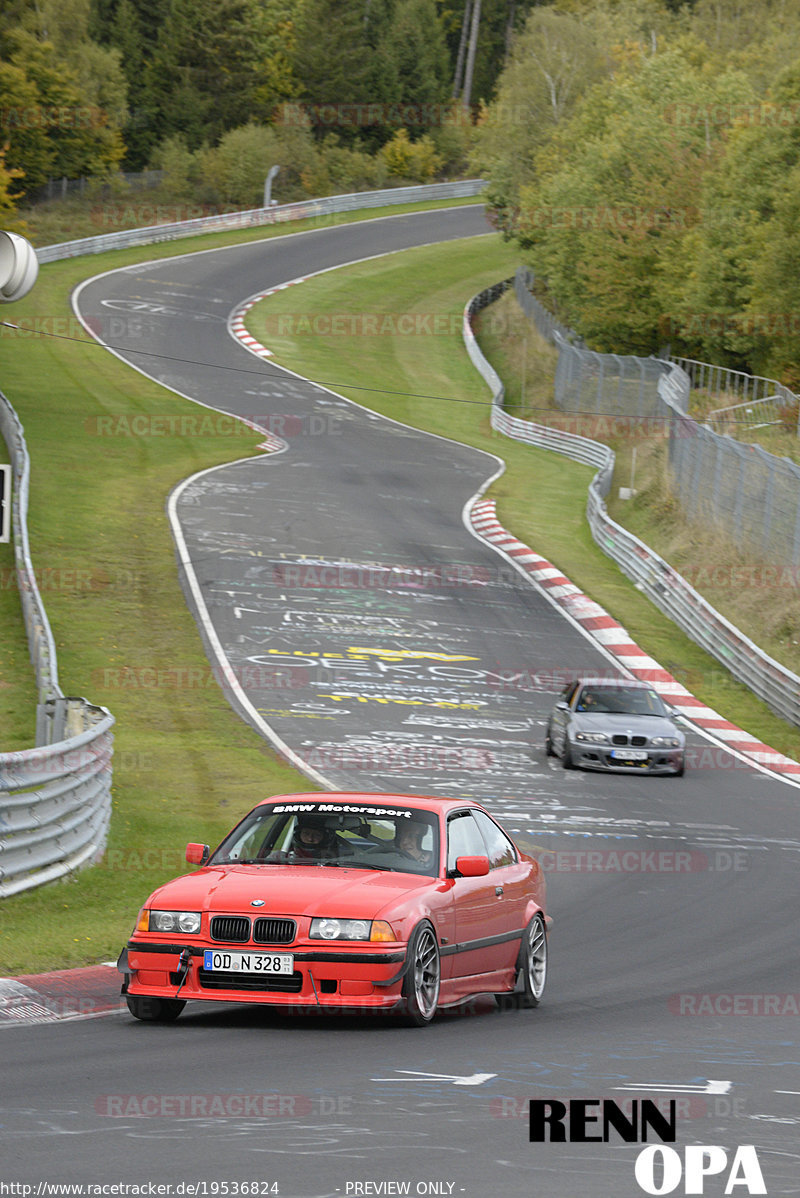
(608, 222)
(747, 248)
(553, 61)
(344, 57)
(50, 129)
(204, 70)
(421, 61)
(8, 195)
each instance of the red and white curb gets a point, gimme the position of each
(597, 623)
(64, 994)
(237, 329)
(236, 323)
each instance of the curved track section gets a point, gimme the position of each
(385, 647)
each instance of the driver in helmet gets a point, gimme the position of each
(313, 840)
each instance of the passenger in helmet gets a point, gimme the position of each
(408, 839)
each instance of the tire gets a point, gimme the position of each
(154, 1010)
(681, 770)
(566, 756)
(532, 968)
(423, 976)
(548, 743)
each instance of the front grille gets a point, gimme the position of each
(619, 739)
(274, 931)
(218, 980)
(233, 929)
(639, 740)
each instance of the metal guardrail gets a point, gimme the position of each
(55, 799)
(40, 637)
(722, 381)
(752, 414)
(777, 686)
(258, 217)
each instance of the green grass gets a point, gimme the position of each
(541, 496)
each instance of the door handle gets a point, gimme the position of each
(498, 891)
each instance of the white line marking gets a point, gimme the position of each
(477, 1079)
(710, 1087)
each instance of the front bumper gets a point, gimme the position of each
(598, 757)
(353, 976)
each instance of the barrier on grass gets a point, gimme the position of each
(55, 799)
(220, 222)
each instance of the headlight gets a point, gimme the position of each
(593, 738)
(666, 742)
(325, 928)
(185, 922)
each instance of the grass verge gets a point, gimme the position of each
(541, 496)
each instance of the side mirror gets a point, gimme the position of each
(472, 867)
(197, 854)
(562, 705)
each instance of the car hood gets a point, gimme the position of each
(612, 722)
(292, 890)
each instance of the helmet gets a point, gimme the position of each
(312, 837)
(408, 837)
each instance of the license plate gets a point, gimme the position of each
(629, 754)
(225, 962)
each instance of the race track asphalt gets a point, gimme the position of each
(370, 635)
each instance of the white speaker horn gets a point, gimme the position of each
(19, 267)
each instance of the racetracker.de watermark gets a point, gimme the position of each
(367, 576)
(142, 425)
(53, 116)
(198, 678)
(131, 215)
(715, 324)
(220, 1106)
(686, 1106)
(368, 115)
(606, 218)
(362, 324)
(730, 1003)
(643, 861)
(762, 113)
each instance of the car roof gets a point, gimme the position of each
(377, 799)
(615, 683)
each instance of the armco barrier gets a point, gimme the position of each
(55, 799)
(778, 687)
(257, 217)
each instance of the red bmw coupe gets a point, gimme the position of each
(339, 901)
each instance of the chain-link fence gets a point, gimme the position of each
(751, 495)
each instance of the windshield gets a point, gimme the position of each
(625, 700)
(356, 835)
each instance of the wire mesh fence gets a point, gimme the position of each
(751, 495)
